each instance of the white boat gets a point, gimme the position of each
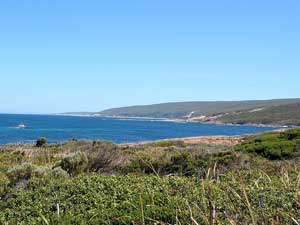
(21, 126)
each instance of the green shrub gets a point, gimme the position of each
(41, 142)
(274, 145)
(4, 182)
(74, 163)
(291, 134)
(8, 159)
(102, 156)
(26, 171)
(20, 173)
(40, 171)
(58, 172)
(179, 163)
(167, 143)
(182, 163)
(145, 163)
(246, 197)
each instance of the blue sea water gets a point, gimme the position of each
(61, 128)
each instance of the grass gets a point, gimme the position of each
(96, 182)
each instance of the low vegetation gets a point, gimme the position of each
(278, 115)
(74, 163)
(165, 182)
(41, 142)
(274, 145)
(250, 197)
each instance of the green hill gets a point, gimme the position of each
(281, 115)
(276, 111)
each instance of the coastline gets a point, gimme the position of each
(225, 140)
(179, 120)
(100, 128)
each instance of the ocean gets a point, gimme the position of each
(118, 130)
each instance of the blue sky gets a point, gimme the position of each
(73, 55)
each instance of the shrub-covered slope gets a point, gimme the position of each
(181, 109)
(280, 115)
(285, 145)
(169, 182)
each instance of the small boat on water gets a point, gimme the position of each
(21, 126)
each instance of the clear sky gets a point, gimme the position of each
(74, 55)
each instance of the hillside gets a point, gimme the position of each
(254, 111)
(281, 115)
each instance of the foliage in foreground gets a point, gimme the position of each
(158, 183)
(250, 197)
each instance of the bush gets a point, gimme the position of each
(237, 198)
(40, 171)
(20, 173)
(103, 156)
(163, 143)
(291, 134)
(274, 146)
(58, 172)
(3, 184)
(74, 164)
(181, 163)
(168, 143)
(41, 142)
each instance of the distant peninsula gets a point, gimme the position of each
(284, 112)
